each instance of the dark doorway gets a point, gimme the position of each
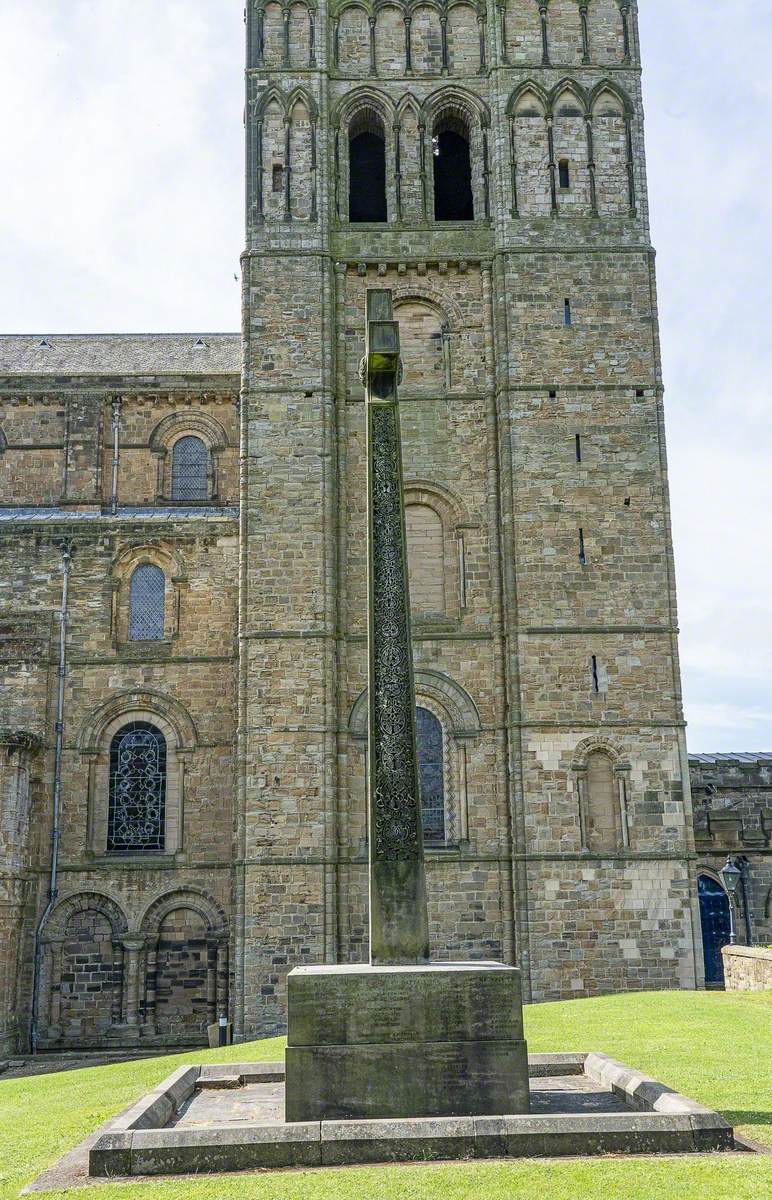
(367, 177)
(452, 172)
(714, 918)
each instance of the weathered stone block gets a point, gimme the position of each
(192, 1151)
(397, 1141)
(110, 1155)
(443, 1039)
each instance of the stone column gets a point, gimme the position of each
(373, 62)
(444, 41)
(399, 930)
(591, 164)
(116, 1010)
(397, 133)
(151, 984)
(55, 951)
(422, 171)
(211, 983)
(133, 947)
(503, 33)
(583, 6)
(624, 8)
(222, 978)
(336, 41)
(287, 168)
(286, 39)
(552, 167)
(515, 209)
(545, 48)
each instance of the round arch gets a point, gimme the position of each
(195, 899)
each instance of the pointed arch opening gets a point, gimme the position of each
(453, 199)
(367, 168)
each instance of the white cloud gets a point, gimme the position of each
(121, 208)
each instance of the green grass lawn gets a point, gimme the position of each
(714, 1047)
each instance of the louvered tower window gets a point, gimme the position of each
(146, 604)
(136, 817)
(190, 462)
(432, 774)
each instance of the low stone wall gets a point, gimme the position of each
(747, 968)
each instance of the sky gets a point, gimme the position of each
(121, 209)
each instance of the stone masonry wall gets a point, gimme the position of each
(535, 470)
(553, 632)
(747, 968)
(98, 945)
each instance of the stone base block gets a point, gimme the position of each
(444, 1039)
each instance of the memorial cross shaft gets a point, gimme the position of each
(399, 927)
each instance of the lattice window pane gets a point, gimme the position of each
(190, 461)
(431, 770)
(146, 604)
(136, 818)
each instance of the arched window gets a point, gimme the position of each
(190, 469)
(602, 817)
(137, 809)
(452, 170)
(147, 595)
(431, 771)
(367, 168)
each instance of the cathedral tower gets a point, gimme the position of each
(486, 164)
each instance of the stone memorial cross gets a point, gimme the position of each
(399, 929)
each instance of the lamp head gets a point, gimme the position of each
(730, 875)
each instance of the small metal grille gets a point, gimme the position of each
(136, 816)
(431, 774)
(146, 604)
(190, 460)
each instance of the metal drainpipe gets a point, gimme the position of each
(116, 453)
(53, 884)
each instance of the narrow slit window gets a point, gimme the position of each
(578, 447)
(564, 173)
(595, 677)
(582, 553)
(566, 312)
(277, 178)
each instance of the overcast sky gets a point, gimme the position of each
(121, 210)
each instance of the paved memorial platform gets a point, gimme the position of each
(231, 1118)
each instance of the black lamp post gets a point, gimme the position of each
(730, 877)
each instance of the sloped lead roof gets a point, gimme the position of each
(121, 354)
(710, 760)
